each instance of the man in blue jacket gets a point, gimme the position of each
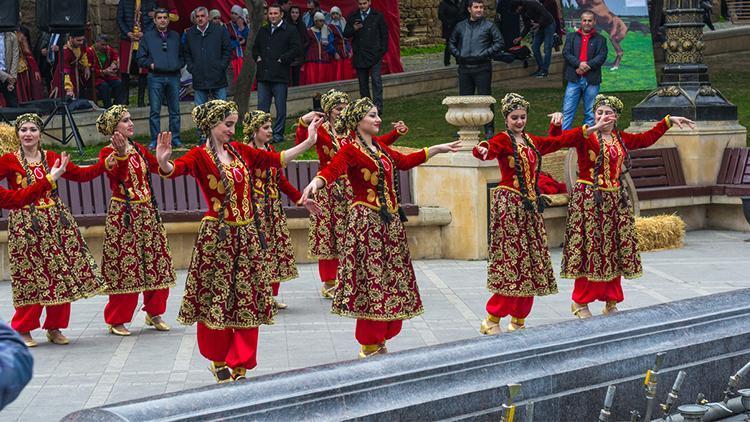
(16, 365)
(585, 52)
(160, 52)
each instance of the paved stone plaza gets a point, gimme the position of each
(98, 368)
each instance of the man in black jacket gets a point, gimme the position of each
(207, 54)
(585, 52)
(536, 17)
(450, 13)
(275, 48)
(473, 43)
(369, 33)
(160, 52)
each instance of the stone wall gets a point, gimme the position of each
(419, 21)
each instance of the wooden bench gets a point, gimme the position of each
(180, 199)
(657, 174)
(734, 173)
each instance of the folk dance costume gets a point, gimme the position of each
(266, 185)
(519, 265)
(328, 229)
(136, 257)
(227, 290)
(51, 266)
(600, 238)
(376, 279)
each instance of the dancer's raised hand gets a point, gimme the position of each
(311, 189)
(164, 151)
(556, 118)
(681, 122)
(482, 151)
(443, 148)
(119, 143)
(60, 165)
(400, 127)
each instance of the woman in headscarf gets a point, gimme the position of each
(51, 266)
(257, 127)
(377, 285)
(600, 240)
(328, 229)
(136, 257)
(227, 291)
(343, 58)
(238, 33)
(519, 265)
(318, 67)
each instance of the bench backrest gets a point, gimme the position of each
(656, 167)
(735, 167)
(179, 199)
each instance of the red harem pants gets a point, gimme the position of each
(585, 291)
(120, 308)
(275, 287)
(237, 347)
(26, 318)
(501, 306)
(370, 332)
(327, 269)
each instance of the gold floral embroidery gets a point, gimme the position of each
(328, 230)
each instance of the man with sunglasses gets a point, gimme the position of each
(160, 52)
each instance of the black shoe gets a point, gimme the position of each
(525, 64)
(538, 71)
(541, 75)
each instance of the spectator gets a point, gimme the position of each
(473, 43)
(76, 68)
(313, 7)
(46, 56)
(160, 52)
(105, 64)
(585, 52)
(295, 21)
(132, 25)
(285, 5)
(366, 27)
(207, 54)
(544, 26)
(450, 13)
(320, 53)
(9, 67)
(343, 57)
(16, 365)
(215, 16)
(507, 21)
(238, 33)
(275, 48)
(556, 13)
(29, 84)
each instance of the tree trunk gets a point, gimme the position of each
(247, 74)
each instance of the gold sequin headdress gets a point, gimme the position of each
(352, 114)
(253, 121)
(108, 120)
(208, 115)
(332, 98)
(609, 101)
(29, 117)
(512, 102)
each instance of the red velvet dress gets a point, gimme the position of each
(50, 261)
(227, 292)
(318, 67)
(136, 256)
(600, 240)
(28, 86)
(519, 262)
(376, 277)
(344, 68)
(280, 253)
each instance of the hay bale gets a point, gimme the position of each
(659, 232)
(8, 139)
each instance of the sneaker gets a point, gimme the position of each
(152, 146)
(541, 75)
(176, 143)
(538, 71)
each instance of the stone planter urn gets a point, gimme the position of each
(469, 113)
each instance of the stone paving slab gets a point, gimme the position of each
(98, 368)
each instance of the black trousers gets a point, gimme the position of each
(477, 80)
(364, 75)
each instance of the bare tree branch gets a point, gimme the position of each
(247, 74)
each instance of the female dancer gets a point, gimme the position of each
(227, 291)
(600, 240)
(376, 279)
(51, 265)
(327, 230)
(136, 257)
(257, 127)
(519, 264)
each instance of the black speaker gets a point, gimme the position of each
(61, 15)
(8, 15)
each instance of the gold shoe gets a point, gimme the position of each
(221, 372)
(328, 290)
(581, 311)
(119, 330)
(279, 305)
(27, 340)
(369, 350)
(238, 374)
(516, 324)
(56, 337)
(157, 322)
(490, 328)
(610, 308)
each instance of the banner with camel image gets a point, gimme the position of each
(625, 25)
